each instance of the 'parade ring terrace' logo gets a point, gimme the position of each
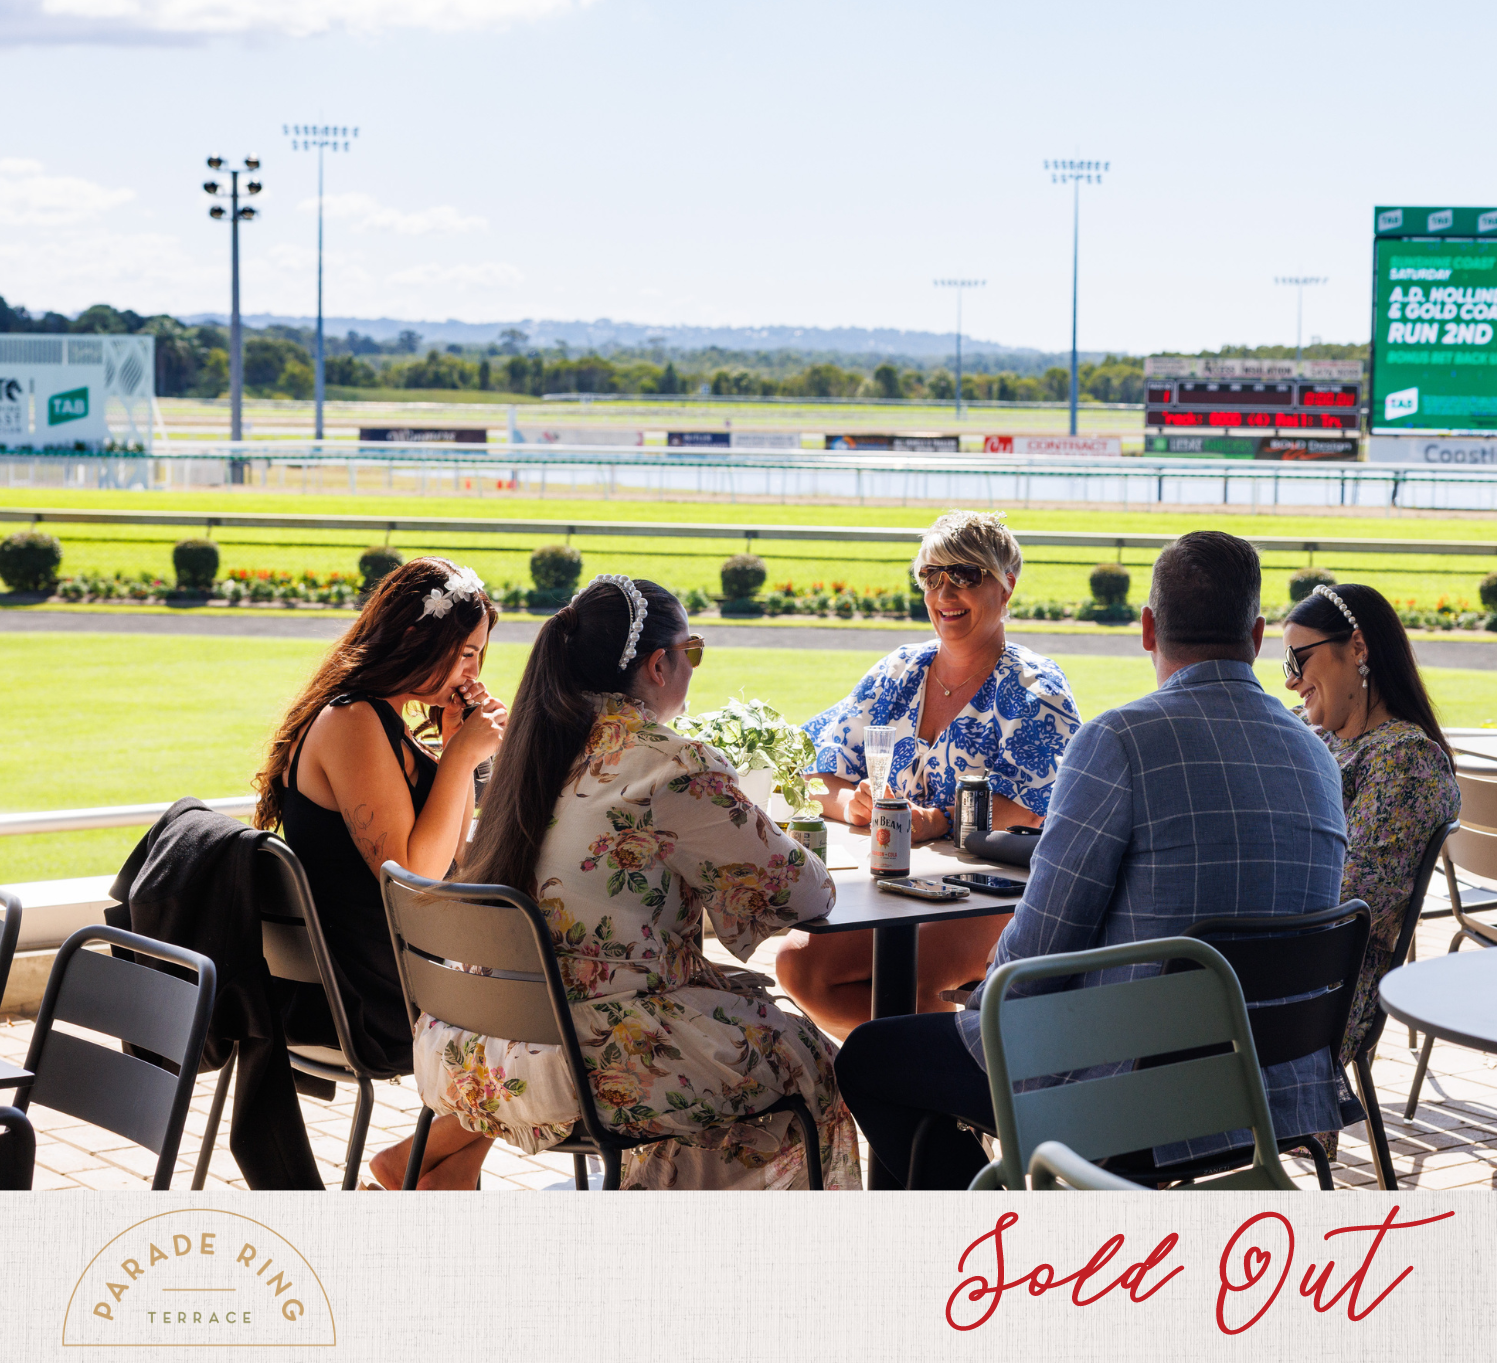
(199, 1278)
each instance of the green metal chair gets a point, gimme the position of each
(1076, 1029)
(1056, 1167)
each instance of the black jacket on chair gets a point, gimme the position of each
(192, 881)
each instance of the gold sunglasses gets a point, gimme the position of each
(962, 576)
(693, 649)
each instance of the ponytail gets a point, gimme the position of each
(575, 657)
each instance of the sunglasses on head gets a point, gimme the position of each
(960, 575)
(692, 648)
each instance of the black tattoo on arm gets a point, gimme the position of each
(358, 821)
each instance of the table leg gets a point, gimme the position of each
(896, 971)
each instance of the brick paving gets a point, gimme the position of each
(1451, 1142)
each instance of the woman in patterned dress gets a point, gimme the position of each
(968, 700)
(1347, 657)
(626, 833)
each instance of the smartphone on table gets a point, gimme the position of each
(987, 884)
(924, 888)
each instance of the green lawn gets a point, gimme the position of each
(101, 719)
(1050, 573)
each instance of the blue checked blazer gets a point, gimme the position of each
(1204, 799)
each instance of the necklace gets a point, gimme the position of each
(949, 689)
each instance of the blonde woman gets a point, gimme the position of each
(968, 700)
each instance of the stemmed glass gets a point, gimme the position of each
(878, 752)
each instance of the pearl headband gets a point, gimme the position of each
(1337, 602)
(462, 583)
(638, 609)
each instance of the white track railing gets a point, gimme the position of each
(111, 816)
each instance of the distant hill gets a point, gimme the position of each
(605, 334)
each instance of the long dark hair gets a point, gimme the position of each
(1393, 675)
(390, 649)
(576, 653)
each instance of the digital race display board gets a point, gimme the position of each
(1261, 396)
(1434, 320)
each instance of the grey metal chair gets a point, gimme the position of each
(521, 998)
(296, 950)
(1472, 847)
(10, 933)
(1382, 1156)
(151, 1009)
(1076, 1029)
(1054, 1165)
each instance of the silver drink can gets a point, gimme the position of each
(891, 838)
(974, 808)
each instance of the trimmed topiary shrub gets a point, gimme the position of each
(1488, 591)
(196, 562)
(742, 576)
(1305, 580)
(918, 608)
(376, 563)
(556, 568)
(1110, 583)
(29, 561)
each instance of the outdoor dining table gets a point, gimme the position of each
(1452, 997)
(13, 1076)
(895, 920)
(1473, 742)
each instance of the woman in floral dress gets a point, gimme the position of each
(1347, 657)
(626, 833)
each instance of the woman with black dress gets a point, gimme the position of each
(352, 786)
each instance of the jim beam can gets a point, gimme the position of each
(811, 834)
(974, 808)
(891, 838)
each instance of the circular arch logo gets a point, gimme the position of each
(199, 1278)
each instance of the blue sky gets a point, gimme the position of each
(811, 162)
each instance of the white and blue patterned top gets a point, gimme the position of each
(1014, 728)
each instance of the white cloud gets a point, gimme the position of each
(31, 198)
(73, 268)
(366, 213)
(73, 19)
(483, 274)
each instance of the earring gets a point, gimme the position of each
(1362, 671)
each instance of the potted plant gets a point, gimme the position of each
(765, 748)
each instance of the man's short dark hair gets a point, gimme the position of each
(1205, 595)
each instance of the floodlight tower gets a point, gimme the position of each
(1075, 173)
(959, 285)
(235, 215)
(1299, 283)
(319, 137)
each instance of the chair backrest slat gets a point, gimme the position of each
(105, 1088)
(288, 951)
(1478, 801)
(1079, 1028)
(1137, 1110)
(1472, 850)
(514, 1010)
(147, 1008)
(476, 934)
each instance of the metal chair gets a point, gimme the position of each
(17, 1150)
(1471, 847)
(10, 933)
(1171, 1015)
(521, 998)
(1382, 1157)
(296, 950)
(1055, 1165)
(152, 1009)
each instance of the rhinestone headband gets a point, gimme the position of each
(462, 583)
(1337, 602)
(638, 609)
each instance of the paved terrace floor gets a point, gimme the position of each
(1451, 1142)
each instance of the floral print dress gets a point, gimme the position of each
(1014, 728)
(653, 831)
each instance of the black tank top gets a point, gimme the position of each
(348, 901)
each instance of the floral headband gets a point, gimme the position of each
(637, 609)
(462, 584)
(1337, 602)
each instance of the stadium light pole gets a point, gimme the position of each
(1075, 173)
(1300, 283)
(319, 137)
(959, 285)
(235, 215)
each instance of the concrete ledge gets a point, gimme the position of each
(27, 982)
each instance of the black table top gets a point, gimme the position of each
(862, 905)
(1453, 997)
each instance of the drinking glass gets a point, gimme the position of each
(878, 751)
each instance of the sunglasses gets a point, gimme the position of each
(961, 576)
(693, 649)
(1293, 667)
